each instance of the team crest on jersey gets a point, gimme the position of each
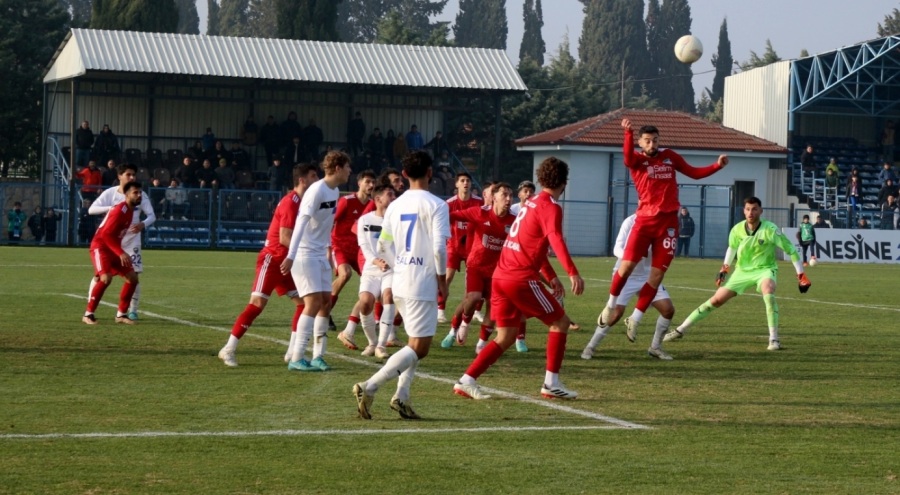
(671, 232)
(761, 241)
(667, 161)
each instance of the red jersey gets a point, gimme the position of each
(349, 209)
(459, 229)
(537, 226)
(285, 217)
(487, 232)
(654, 177)
(113, 227)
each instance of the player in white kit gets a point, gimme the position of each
(312, 271)
(415, 231)
(131, 243)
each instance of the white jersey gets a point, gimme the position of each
(111, 197)
(317, 210)
(368, 230)
(514, 209)
(642, 268)
(417, 225)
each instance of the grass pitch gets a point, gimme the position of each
(150, 409)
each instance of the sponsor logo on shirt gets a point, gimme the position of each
(327, 204)
(371, 228)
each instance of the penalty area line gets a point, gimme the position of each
(549, 404)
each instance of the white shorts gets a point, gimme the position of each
(419, 317)
(132, 246)
(311, 275)
(374, 284)
(633, 286)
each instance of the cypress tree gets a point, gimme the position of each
(655, 48)
(722, 61)
(188, 19)
(233, 17)
(154, 16)
(677, 91)
(532, 46)
(481, 24)
(212, 18)
(613, 43)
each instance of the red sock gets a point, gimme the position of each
(521, 335)
(378, 309)
(125, 296)
(485, 359)
(556, 350)
(486, 332)
(334, 299)
(96, 295)
(245, 319)
(442, 302)
(297, 314)
(479, 305)
(466, 318)
(354, 319)
(618, 283)
(455, 321)
(645, 297)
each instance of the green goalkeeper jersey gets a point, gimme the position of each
(756, 250)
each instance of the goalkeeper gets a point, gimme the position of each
(751, 251)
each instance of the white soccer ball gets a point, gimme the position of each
(688, 49)
(813, 261)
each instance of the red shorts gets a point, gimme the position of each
(345, 255)
(512, 299)
(269, 277)
(478, 280)
(659, 232)
(454, 260)
(106, 261)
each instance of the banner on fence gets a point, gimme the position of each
(854, 246)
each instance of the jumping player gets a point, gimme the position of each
(656, 226)
(268, 265)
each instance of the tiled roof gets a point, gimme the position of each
(677, 130)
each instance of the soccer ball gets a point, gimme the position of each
(688, 49)
(813, 261)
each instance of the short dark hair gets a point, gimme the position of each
(753, 200)
(301, 170)
(501, 185)
(366, 173)
(463, 174)
(806, 217)
(385, 177)
(131, 185)
(122, 167)
(648, 129)
(416, 164)
(553, 173)
(381, 189)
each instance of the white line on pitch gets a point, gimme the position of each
(543, 403)
(297, 433)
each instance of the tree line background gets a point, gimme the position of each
(625, 56)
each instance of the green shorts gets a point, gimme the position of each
(741, 280)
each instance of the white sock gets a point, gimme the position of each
(320, 332)
(452, 332)
(350, 329)
(91, 287)
(551, 379)
(467, 380)
(387, 324)
(135, 299)
(599, 334)
(637, 315)
(232, 343)
(370, 327)
(611, 303)
(290, 348)
(773, 333)
(662, 326)
(393, 368)
(304, 333)
(405, 381)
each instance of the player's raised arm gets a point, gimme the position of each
(697, 172)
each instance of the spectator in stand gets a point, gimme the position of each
(91, 180)
(219, 152)
(295, 153)
(176, 201)
(820, 223)
(290, 128)
(887, 142)
(51, 223)
(400, 148)
(207, 176)
(437, 145)
(107, 144)
(887, 173)
(376, 146)
(356, 132)
(389, 140)
(312, 138)
(862, 224)
(270, 137)
(225, 175)
(36, 225)
(685, 232)
(250, 132)
(362, 162)
(831, 185)
(87, 223)
(195, 152)
(414, 139)
(209, 141)
(889, 213)
(110, 177)
(888, 189)
(186, 174)
(807, 159)
(158, 198)
(278, 173)
(84, 140)
(239, 158)
(854, 196)
(832, 165)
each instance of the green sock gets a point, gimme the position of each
(771, 310)
(700, 313)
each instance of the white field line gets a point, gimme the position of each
(299, 433)
(543, 403)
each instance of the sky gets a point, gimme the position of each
(817, 25)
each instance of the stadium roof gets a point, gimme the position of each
(86, 50)
(678, 130)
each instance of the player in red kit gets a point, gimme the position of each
(656, 226)
(344, 247)
(268, 273)
(517, 291)
(488, 228)
(457, 246)
(109, 259)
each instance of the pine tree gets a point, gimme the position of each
(212, 18)
(153, 16)
(392, 30)
(233, 18)
(677, 92)
(722, 62)
(32, 31)
(769, 57)
(286, 12)
(307, 19)
(481, 24)
(411, 20)
(188, 19)
(323, 26)
(262, 18)
(355, 19)
(656, 48)
(891, 24)
(80, 10)
(532, 46)
(613, 44)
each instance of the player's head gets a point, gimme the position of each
(805, 218)
(501, 194)
(752, 209)
(648, 139)
(337, 163)
(305, 174)
(132, 191)
(486, 191)
(463, 182)
(126, 172)
(553, 173)
(392, 177)
(417, 165)
(366, 181)
(383, 194)
(526, 189)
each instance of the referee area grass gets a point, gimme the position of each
(114, 409)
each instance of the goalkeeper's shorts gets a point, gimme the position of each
(741, 280)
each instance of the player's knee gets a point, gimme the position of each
(104, 278)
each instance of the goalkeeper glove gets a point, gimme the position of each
(720, 278)
(805, 284)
